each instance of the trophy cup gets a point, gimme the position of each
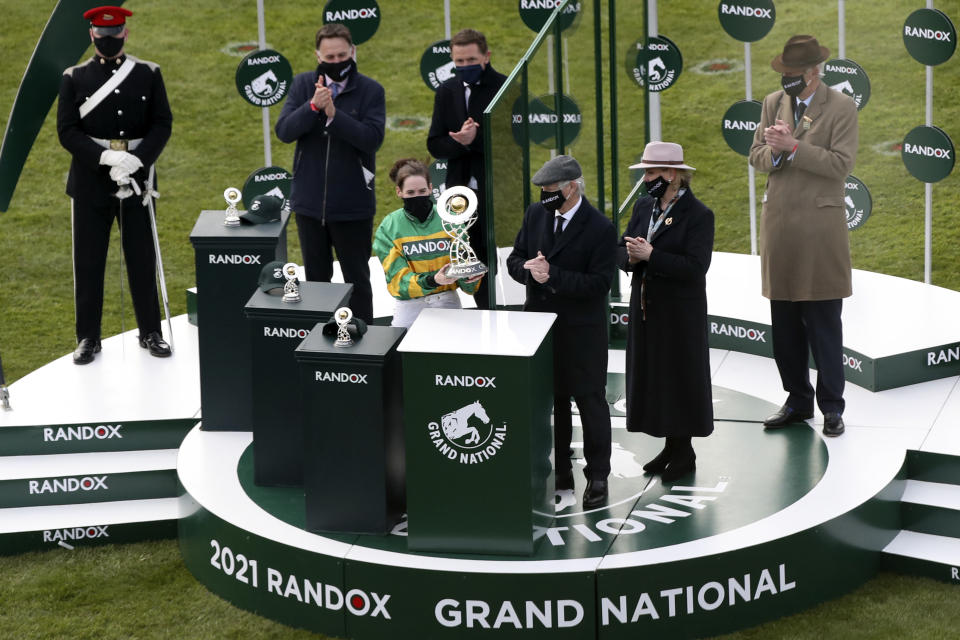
(343, 316)
(457, 207)
(231, 216)
(291, 290)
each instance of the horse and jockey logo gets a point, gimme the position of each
(456, 424)
(467, 435)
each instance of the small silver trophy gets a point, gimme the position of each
(343, 316)
(291, 289)
(231, 216)
(457, 207)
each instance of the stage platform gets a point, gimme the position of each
(770, 524)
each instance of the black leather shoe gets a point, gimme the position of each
(83, 354)
(785, 417)
(595, 494)
(832, 425)
(658, 464)
(563, 481)
(680, 465)
(153, 342)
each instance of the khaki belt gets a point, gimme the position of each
(118, 144)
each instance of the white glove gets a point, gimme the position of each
(129, 163)
(123, 192)
(119, 175)
(112, 158)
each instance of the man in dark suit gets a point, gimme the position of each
(114, 133)
(455, 129)
(565, 255)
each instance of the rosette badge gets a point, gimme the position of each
(457, 207)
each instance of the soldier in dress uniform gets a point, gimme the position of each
(114, 119)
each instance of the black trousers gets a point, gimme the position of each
(353, 242)
(478, 242)
(91, 240)
(595, 416)
(802, 328)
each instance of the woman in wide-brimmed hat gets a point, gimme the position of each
(667, 247)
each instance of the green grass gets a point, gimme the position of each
(143, 590)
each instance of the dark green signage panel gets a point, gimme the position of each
(857, 202)
(535, 13)
(263, 78)
(747, 20)
(362, 17)
(655, 61)
(739, 124)
(849, 78)
(88, 488)
(273, 181)
(438, 177)
(543, 119)
(927, 152)
(436, 66)
(929, 36)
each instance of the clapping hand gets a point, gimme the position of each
(638, 249)
(539, 268)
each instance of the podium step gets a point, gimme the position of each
(931, 507)
(933, 467)
(25, 529)
(101, 436)
(84, 478)
(923, 554)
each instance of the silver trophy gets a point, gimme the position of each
(457, 207)
(343, 316)
(231, 216)
(291, 289)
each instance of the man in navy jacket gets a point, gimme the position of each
(336, 116)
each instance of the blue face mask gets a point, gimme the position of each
(469, 73)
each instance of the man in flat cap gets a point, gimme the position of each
(807, 143)
(114, 119)
(565, 255)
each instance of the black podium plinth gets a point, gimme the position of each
(228, 263)
(354, 463)
(276, 328)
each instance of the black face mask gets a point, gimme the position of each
(656, 187)
(551, 200)
(339, 71)
(469, 73)
(418, 206)
(108, 46)
(793, 85)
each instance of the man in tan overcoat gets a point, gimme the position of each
(807, 143)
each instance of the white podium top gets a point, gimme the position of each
(476, 332)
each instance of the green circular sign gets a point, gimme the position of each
(263, 77)
(857, 202)
(542, 121)
(747, 20)
(268, 181)
(928, 154)
(535, 13)
(658, 59)
(438, 177)
(849, 78)
(929, 36)
(739, 124)
(436, 66)
(362, 17)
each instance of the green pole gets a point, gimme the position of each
(598, 71)
(614, 132)
(558, 74)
